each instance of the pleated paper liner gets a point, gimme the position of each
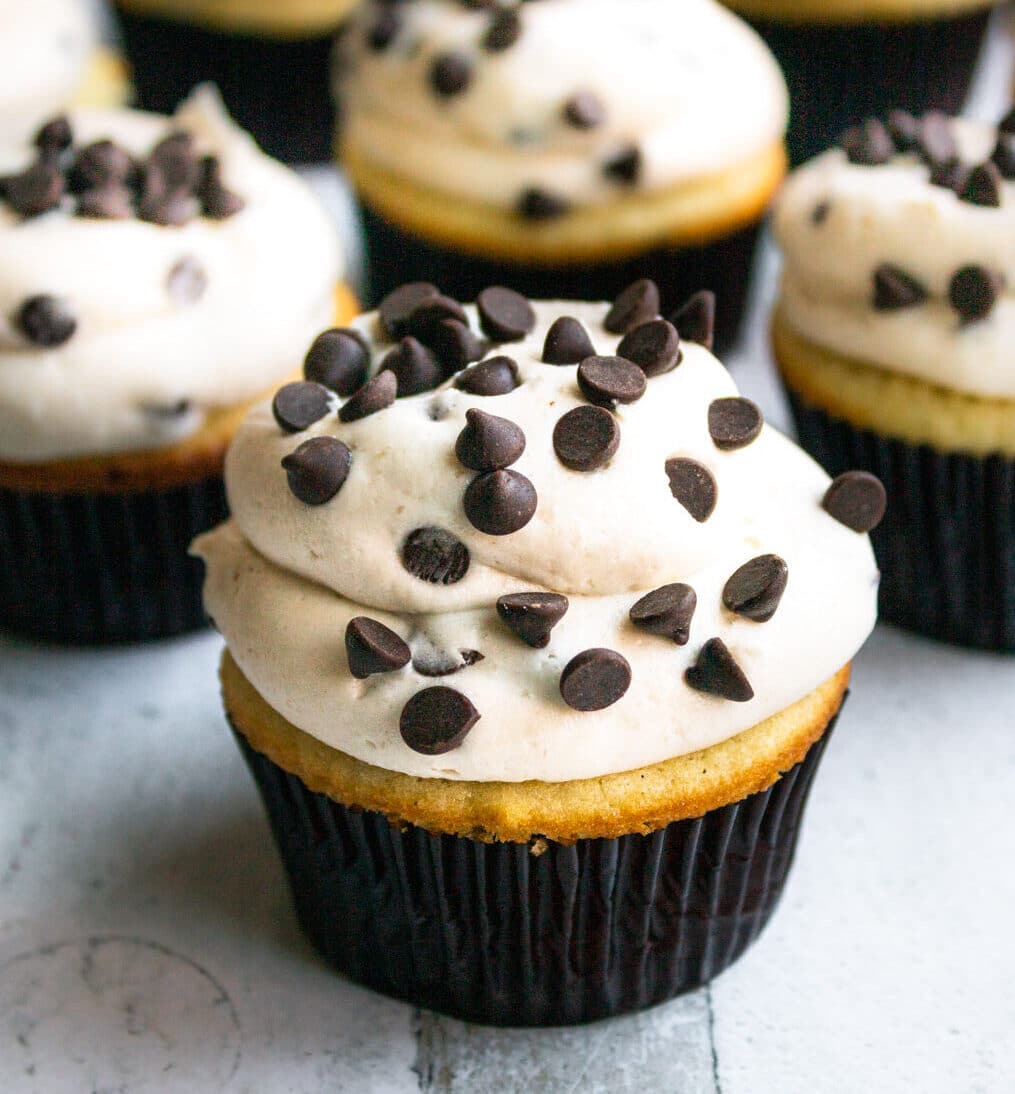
(946, 547)
(533, 935)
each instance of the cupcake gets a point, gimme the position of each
(270, 59)
(848, 59)
(597, 622)
(893, 333)
(157, 276)
(564, 148)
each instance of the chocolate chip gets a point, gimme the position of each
(755, 589)
(436, 556)
(297, 406)
(653, 346)
(376, 394)
(734, 423)
(100, 163)
(46, 320)
(895, 289)
(693, 486)
(425, 317)
(168, 210)
(399, 304)
(488, 443)
(220, 203)
(637, 304)
(186, 282)
(532, 616)
(110, 202)
(176, 156)
(494, 376)
(450, 74)
(624, 167)
(609, 380)
(695, 318)
(1004, 155)
(456, 345)
(536, 203)
(415, 367)
(505, 315)
(904, 130)
(949, 174)
(384, 29)
(973, 292)
(338, 358)
(55, 136)
(716, 673)
(819, 214)
(983, 186)
(567, 342)
(500, 502)
(666, 611)
(856, 499)
(317, 470)
(1007, 123)
(584, 110)
(371, 648)
(937, 142)
(438, 662)
(504, 30)
(586, 438)
(436, 720)
(36, 190)
(594, 680)
(868, 144)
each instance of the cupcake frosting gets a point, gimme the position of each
(610, 564)
(900, 251)
(133, 306)
(533, 106)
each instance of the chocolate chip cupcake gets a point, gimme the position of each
(564, 148)
(894, 337)
(157, 276)
(846, 60)
(597, 625)
(269, 58)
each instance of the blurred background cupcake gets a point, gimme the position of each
(563, 148)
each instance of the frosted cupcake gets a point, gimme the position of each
(597, 625)
(564, 148)
(157, 275)
(894, 335)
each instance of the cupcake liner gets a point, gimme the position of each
(946, 547)
(541, 934)
(396, 256)
(101, 568)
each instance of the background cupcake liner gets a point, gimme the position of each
(97, 568)
(498, 934)
(395, 256)
(946, 547)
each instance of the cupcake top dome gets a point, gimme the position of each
(900, 250)
(152, 269)
(537, 541)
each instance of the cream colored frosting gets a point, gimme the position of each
(892, 214)
(285, 578)
(270, 275)
(688, 83)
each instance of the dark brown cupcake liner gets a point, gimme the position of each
(946, 547)
(519, 935)
(103, 568)
(396, 256)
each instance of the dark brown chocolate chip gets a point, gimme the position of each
(637, 304)
(317, 470)
(567, 342)
(734, 423)
(692, 484)
(46, 320)
(595, 679)
(55, 136)
(755, 589)
(609, 380)
(438, 662)
(819, 214)
(504, 30)
(371, 648)
(450, 74)
(1007, 123)
(949, 174)
(338, 358)
(983, 186)
(586, 438)
(436, 556)
(1004, 155)
(505, 315)
(904, 130)
(536, 203)
(895, 289)
(856, 499)
(436, 720)
(500, 502)
(186, 282)
(170, 210)
(400, 303)
(532, 616)
(175, 161)
(488, 443)
(425, 317)
(584, 110)
(220, 203)
(456, 345)
(415, 367)
(384, 29)
(36, 190)
(868, 144)
(937, 142)
(376, 394)
(110, 202)
(973, 292)
(666, 611)
(297, 406)
(494, 376)
(653, 346)
(716, 673)
(99, 164)
(695, 319)
(624, 167)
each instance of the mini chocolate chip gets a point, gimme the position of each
(55, 136)
(169, 210)
(937, 142)
(608, 380)
(868, 144)
(895, 289)
(400, 303)
(384, 29)
(505, 315)
(716, 673)
(415, 367)
(734, 423)
(819, 214)
(666, 611)
(692, 484)
(974, 290)
(436, 556)
(36, 190)
(500, 502)
(186, 282)
(456, 345)
(586, 438)
(983, 186)
(637, 304)
(338, 358)
(494, 376)
(100, 163)
(584, 110)
(624, 167)
(567, 342)
(949, 174)
(595, 679)
(532, 616)
(220, 203)
(504, 30)
(371, 648)
(297, 406)
(450, 74)
(437, 662)
(110, 202)
(436, 720)
(1007, 123)
(317, 470)
(535, 203)
(46, 320)
(488, 443)
(1004, 155)
(422, 321)
(695, 318)
(755, 589)
(856, 499)
(653, 346)
(904, 130)
(376, 394)
(175, 160)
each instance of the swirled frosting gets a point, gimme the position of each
(171, 321)
(285, 578)
(872, 252)
(575, 99)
